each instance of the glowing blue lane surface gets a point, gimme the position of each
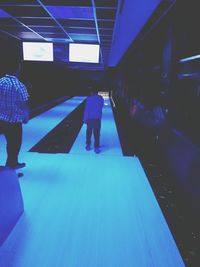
(88, 211)
(109, 139)
(39, 126)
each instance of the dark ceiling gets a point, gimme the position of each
(61, 22)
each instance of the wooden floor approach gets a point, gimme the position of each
(88, 210)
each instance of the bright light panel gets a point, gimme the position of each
(190, 58)
(86, 53)
(38, 51)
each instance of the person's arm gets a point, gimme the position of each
(26, 111)
(102, 100)
(23, 101)
(85, 113)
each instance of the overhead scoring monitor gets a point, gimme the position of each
(85, 53)
(37, 51)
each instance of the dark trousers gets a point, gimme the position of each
(13, 135)
(93, 126)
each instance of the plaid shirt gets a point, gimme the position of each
(12, 94)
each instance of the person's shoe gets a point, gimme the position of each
(88, 148)
(18, 166)
(97, 150)
(20, 174)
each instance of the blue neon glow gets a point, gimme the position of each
(30, 35)
(129, 23)
(58, 40)
(190, 58)
(39, 126)
(71, 12)
(84, 37)
(100, 201)
(4, 14)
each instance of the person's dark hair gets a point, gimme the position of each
(93, 89)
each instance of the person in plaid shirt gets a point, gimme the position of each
(14, 112)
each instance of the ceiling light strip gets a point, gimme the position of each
(190, 58)
(43, 6)
(97, 29)
(116, 18)
(107, 20)
(10, 34)
(18, 21)
(15, 5)
(106, 7)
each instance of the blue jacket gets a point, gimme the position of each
(93, 107)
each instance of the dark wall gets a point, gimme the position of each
(10, 49)
(162, 99)
(48, 81)
(152, 72)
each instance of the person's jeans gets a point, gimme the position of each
(13, 135)
(93, 126)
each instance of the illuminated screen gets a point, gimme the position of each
(38, 51)
(87, 53)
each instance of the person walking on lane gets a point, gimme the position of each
(92, 117)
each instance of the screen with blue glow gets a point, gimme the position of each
(37, 51)
(85, 53)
